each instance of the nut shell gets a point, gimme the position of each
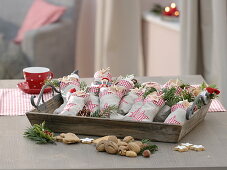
(128, 139)
(139, 143)
(122, 144)
(134, 147)
(146, 153)
(101, 146)
(122, 150)
(131, 154)
(96, 141)
(111, 147)
(113, 139)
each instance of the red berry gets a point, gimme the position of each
(72, 90)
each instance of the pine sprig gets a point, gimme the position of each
(184, 85)
(137, 85)
(199, 104)
(106, 112)
(170, 96)
(40, 134)
(55, 83)
(149, 91)
(187, 96)
(83, 85)
(148, 146)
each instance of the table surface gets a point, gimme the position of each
(17, 152)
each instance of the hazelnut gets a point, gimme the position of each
(128, 139)
(146, 153)
(131, 154)
(113, 139)
(134, 147)
(122, 150)
(122, 144)
(111, 147)
(101, 146)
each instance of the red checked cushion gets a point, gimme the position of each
(41, 13)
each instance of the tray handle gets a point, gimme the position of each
(204, 97)
(40, 97)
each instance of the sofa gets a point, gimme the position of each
(51, 46)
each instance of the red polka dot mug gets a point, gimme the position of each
(36, 76)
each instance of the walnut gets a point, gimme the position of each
(134, 147)
(101, 146)
(122, 150)
(139, 143)
(131, 154)
(113, 139)
(96, 141)
(128, 139)
(122, 144)
(111, 147)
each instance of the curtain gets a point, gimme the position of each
(85, 38)
(204, 41)
(109, 36)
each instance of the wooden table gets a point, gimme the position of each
(17, 152)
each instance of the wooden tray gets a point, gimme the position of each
(154, 131)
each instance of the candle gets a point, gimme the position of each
(167, 11)
(176, 13)
(173, 8)
(173, 5)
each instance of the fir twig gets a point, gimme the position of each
(106, 112)
(40, 134)
(137, 85)
(83, 85)
(187, 96)
(148, 146)
(149, 91)
(170, 96)
(184, 85)
(199, 104)
(55, 83)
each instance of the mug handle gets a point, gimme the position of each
(51, 74)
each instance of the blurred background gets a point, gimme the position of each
(141, 37)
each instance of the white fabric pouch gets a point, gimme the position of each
(75, 104)
(178, 113)
(127, 102)
(93, 99)
(108, 98)
(136, 112)
(65, 87)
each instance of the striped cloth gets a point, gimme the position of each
(216, 106)
(127, 84)
(14, 102)
(173, 120)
